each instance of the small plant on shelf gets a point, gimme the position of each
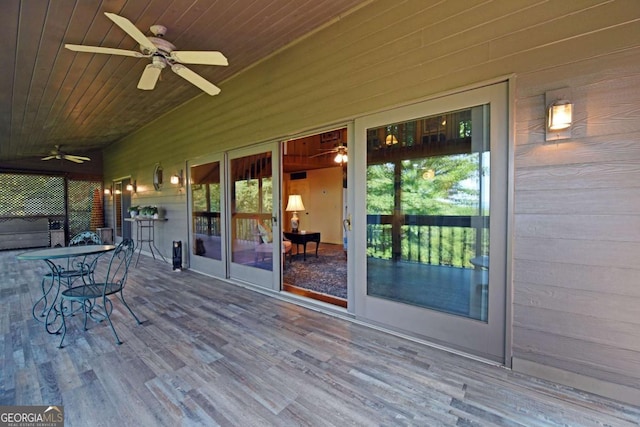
(133, 211)
(149, 211)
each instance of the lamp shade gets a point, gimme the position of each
(391, 140)
(295, 203)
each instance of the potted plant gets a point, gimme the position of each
(149, 211)
(133, 211)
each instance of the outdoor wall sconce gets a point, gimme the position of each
(559, 115)
(108, 191)
(177, 179)
(132, 187)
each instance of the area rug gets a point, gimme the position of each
(325, 274)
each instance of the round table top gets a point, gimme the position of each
(65, 252)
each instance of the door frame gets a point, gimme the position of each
(209, 266)
(488, 340)
(126, 198)
(266, 279)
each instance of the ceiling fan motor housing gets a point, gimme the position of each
(164, 47)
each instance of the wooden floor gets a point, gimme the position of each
(210, 353)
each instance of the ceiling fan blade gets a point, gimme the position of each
(73, 156)
(107, 50)
(132, 30)
(199, 57)
(48, 158)
(323, 154)
(73, 159)
(195, 79)
(149, 77)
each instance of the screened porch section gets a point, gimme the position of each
(38, 210)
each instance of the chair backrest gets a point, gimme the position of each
(118, 268)
(85, 238)
(264, 233)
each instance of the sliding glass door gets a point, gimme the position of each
(121, 204)
(435, 208)
(255, 241)
(207, 202)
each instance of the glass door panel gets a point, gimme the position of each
(207, 232)
(121, 204)
(435, 183)
(427, 212)
(254, 240)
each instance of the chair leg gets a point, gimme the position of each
(129, 308)
(64, 324)
(86, 312)
(108, 316)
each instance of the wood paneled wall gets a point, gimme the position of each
(576, 229)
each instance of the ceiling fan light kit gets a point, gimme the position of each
(162, 54)
(341, 154)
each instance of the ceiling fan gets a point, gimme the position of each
(59, 155)
(341, 156)
(162, 54)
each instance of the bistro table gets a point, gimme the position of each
(51, 287)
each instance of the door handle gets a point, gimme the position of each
(346, 223)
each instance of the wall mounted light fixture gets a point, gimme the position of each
(177, 179)
(108, 191)
(559, 115)
(133, 187)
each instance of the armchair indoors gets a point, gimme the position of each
(264, 243)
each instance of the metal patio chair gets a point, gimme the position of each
(93, 297)
(78, 267)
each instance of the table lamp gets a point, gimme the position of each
(295, 205)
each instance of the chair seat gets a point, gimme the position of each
(90, 291)
(268, 247)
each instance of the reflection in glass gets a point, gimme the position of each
(251, 211)
(205, 207)
(428, 212)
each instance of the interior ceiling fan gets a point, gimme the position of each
(341, 156)
(162, 54)
(59, 155)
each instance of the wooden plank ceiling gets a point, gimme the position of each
(84, 102)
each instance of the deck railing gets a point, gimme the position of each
(246, 224)
(428, 239)
(207, 223)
